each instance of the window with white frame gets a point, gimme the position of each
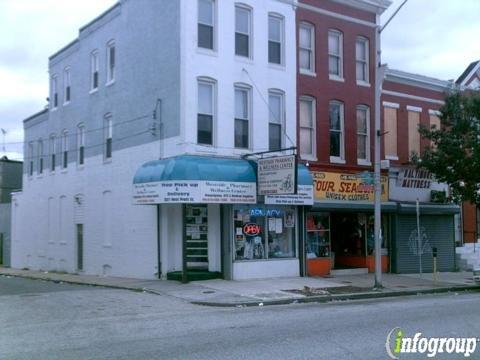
(243, 30)
(242, 117)
(275, 39)
(81, 144)
(53, 150)
(276, 111)
(94, 65)
(54, 90)
(307, 47)
(30, 159)
(363, 134)
(66, 86)
(64, 149)
(108, 136)
(307, 127)
(335, 53)
(111, 60)
(206, 24)
(336, 130)
(40, 157)
(205, 114)
(361, 55)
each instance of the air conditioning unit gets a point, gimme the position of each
(385, 164)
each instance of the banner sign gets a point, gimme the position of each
(304, 196)
(276, 175)
(191, 191)
(415, 178)
(346, 187)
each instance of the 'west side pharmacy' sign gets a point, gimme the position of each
(276, 175)
(206, 192)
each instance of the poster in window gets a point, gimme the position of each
(289, 219)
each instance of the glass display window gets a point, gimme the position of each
(317, 235)
(263, 232)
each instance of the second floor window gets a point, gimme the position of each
(242, 31)
(335, 53)
(361, 54)
(363, 133)
(275, 39)
(306, 47)
(206, 21)
(111, 61)
(108, 137)
(54, 92)
(81, 145)
(53, 149)
(65, 149)
(307, 127)
(275, 124)
(94, 64)
(66, 86)
(30, 159)
(205, 112)
(242, 115)
(40, 157)
(336, 130)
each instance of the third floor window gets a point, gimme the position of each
(306, 47)
(206, 24)
(275, 39)
(243, 19)
(335, 54)
(361, 57)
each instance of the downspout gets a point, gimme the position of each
(159, 259)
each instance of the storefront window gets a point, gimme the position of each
(262, 232)
(318, 235)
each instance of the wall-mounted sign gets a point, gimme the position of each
(191, 191)
(346, 187)
(266, 212)
(251, 229)
(304, 196)
(414, 178)
(276, 175)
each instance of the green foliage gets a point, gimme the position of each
(454, 154)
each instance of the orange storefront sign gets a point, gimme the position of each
(346, 187)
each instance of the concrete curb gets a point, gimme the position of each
(77, 282)
(294, 300)
(340, 297)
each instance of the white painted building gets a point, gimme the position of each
(151, 80)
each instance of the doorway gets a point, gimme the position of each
(80, 247)
(196, 231)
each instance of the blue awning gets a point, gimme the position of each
(192, 167)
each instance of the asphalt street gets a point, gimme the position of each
(42, 320)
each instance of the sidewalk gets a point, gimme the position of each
(272, 291)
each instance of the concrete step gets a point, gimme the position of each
(353, 271)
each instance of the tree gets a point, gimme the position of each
(454, 154)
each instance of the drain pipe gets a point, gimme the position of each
(159, 260)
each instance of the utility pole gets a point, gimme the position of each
(379, 76)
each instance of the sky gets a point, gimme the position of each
(437, 38)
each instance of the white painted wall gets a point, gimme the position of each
(227, 69)
(266, 269)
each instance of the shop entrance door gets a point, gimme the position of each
(196, 223)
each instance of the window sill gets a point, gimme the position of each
(93, 91)
(64, 171)
(40, 176)
(80, 167)
(209, 149)
(52, 172)
(308, 73)
(110, 83)
(336, 78)
(66, 103)
(337, 160)
(54, 109)
(208, 52)
(391, 157)
(308, 157)
(363, 162)
(274, 66)
(241, 151)
(246, 60)
(363, 83)
(107, 161)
